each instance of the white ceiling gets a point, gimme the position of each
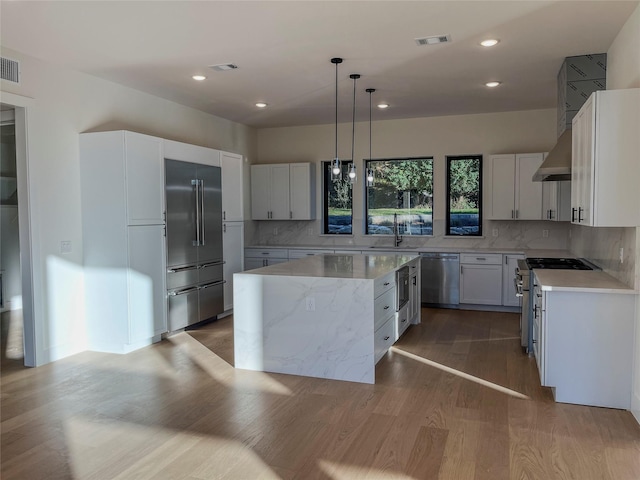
(283, 51)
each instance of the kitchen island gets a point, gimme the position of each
(327, 316)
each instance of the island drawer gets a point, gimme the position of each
(384, 307)
(384, 283)
(481, 258)
(297, 253)
(402, 321)
(383, 339)
(266, 253)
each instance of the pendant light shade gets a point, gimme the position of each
(336, 167)
(370, 175)
(352, 171)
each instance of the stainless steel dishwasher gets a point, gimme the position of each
(440, 274)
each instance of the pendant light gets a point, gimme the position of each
(336, 167)
(352, 170)
(370, 176)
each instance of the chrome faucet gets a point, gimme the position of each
(396, 230)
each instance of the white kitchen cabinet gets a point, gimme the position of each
(123, 239)
(605, 170)
(481, 279)
(509, 265)
(583, 343)
(283, 192)
(185, 152)
(512, 193)
(556, 201)
(233, 255)
(263, 257)
(232, 187)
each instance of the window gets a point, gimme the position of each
(402, 191)
(337, 201)
(464, 195)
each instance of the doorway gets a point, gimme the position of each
(17, 332)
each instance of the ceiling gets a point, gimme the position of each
(283, 52)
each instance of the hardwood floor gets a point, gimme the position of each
(466, 404)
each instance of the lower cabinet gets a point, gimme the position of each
(233, 254)
(263, 257)
(481, 279)
(415, 302)
(583, 344)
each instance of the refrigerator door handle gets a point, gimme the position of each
(174, 293)
(212, 284)
(202, 212)
(196, 186)
(181, 269)
(212, 264)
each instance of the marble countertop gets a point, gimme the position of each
(589, 281)
(363, 267)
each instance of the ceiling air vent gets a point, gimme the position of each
(223, 67)
(433, 40)
(10, 70)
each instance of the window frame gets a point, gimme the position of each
(396, 159)
(449, 159)
(326, 177)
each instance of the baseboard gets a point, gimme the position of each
(635, 407)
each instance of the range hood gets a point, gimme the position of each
(557, 165)
(578, 78)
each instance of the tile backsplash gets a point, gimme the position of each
(601, 245)
(511, 235)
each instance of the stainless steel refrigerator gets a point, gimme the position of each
(194, 243)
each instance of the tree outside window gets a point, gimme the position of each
(337, 201)
(403, 187)
(464, 195)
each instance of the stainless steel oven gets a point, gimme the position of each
(402, 287)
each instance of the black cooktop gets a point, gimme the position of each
(558, 263)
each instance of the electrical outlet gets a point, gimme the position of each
(311, 304)
(495, 232)
(545, 233)
(621, 255)
(65, 246)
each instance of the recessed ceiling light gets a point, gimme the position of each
(490, 42)
(383, 105)
(261, 104)
(199, 77)
(492, 84)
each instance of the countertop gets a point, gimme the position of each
(363, 267)
(589, 281)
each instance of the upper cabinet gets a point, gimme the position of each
(185, 152)
(122, 159)
(283, 191)
(232, 187)
(512, 193)
(605, 166)
(556, 201)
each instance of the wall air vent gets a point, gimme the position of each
(433, 40)
(10, 70)
(223, 67)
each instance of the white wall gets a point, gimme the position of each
(486, 134)
(65, 104)
(623, 71)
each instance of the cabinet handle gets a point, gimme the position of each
(580, 210)
(481, 258)
(573, 214)
(224, 228)
(551, 214)
(403, 320)
(224, 215)
(513, 215)
(386, 307)
(461, 269)
(386, 283)
(290, 215)
(535, 311)
(415, 280)
(517, 213)
(534, 341)
(386, 338)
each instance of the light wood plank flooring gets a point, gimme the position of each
(466, 405)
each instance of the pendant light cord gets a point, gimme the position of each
(355, 77)
(336, 110)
